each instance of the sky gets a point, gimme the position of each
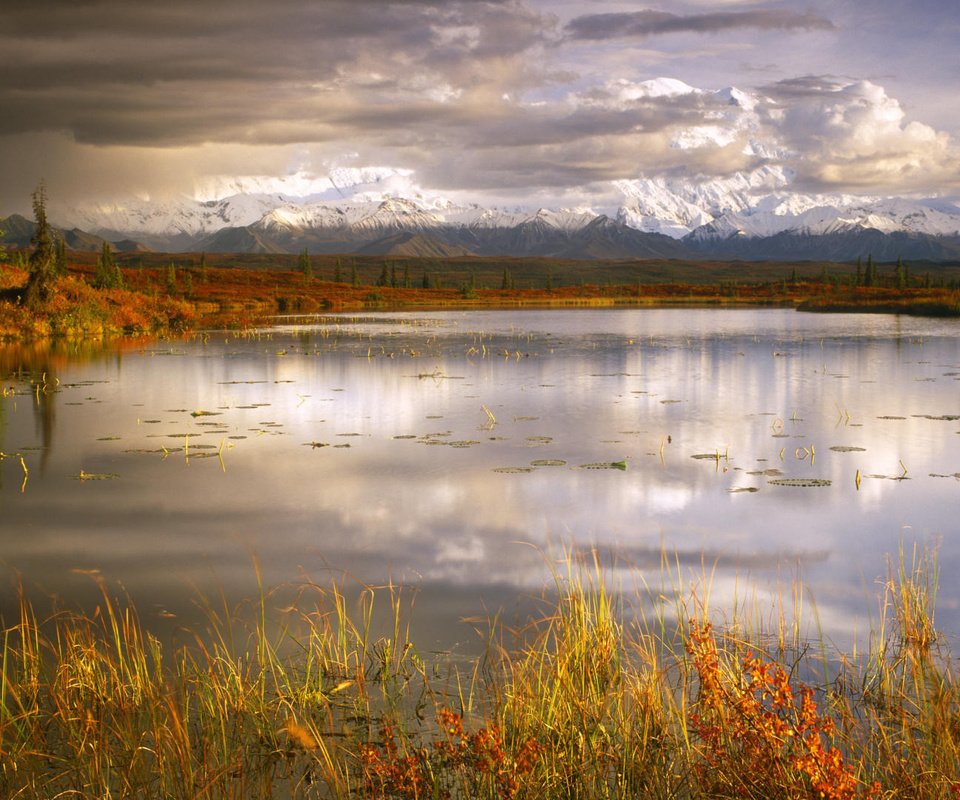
(525, 102)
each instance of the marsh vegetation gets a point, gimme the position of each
(593, 698)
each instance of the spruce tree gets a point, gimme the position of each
(42, 259)
(59, 257)
(107, 275)
(304, 265)
(899, 275)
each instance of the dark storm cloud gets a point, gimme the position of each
(183, 73)
(648, 22)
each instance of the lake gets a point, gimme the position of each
(461, 453)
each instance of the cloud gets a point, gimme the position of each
(499, 97)
(181, 73)
(852, 135)
(639, 24)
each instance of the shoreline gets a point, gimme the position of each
(161, 302)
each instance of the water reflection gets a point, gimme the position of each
(448, 451)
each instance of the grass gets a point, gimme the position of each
(595, 698)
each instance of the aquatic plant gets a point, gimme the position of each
(303, 692)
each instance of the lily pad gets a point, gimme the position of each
(512, 470)
(202, 413)
(803, 483)
(741, 489)
(548, 462)
(620, 465)
(95, 476)
(842, 448)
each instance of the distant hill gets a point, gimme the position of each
(845, 245)
(412, 245)
(239, 240)
(18, 232)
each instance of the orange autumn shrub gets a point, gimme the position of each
(759, 735)
(478, 764)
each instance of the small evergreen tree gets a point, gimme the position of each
(870, 275)
(337, 274)
(384, 278)
(393, 276)
(172, 279)
(406, 276)
(859, 271)
(354, 276)
(425, 282)
(203, 268)
(469, 288)
(59, 256)
(899, 276)
(42, 259)
(507, 282)
(107, 274)
(304, 265)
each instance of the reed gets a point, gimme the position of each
(305, 692)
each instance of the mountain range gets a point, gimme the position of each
(751, 216)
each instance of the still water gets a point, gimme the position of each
(462, 452)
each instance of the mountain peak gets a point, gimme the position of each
(757, 204)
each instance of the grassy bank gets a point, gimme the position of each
(594, 699)
(76, 309)
(247, 290)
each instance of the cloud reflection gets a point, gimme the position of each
(385, 468)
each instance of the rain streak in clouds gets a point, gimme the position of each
(519, 101)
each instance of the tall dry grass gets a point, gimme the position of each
(602, 696)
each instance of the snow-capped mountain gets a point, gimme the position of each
(349, 209)
(681, 214)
